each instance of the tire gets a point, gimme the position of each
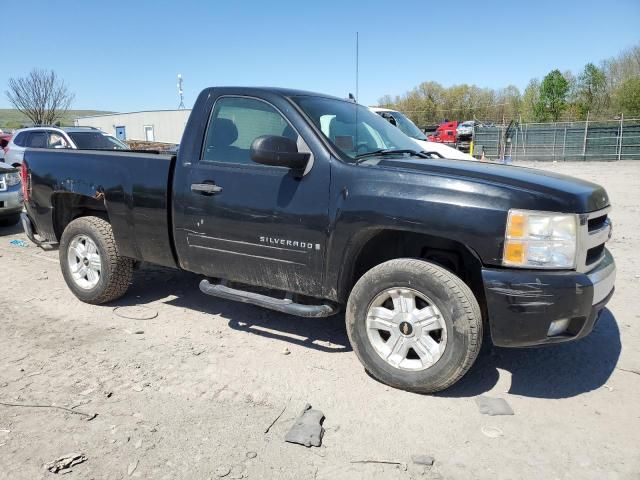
(445, 328)
(9, 220)
(114, 272)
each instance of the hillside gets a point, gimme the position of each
(11, 118)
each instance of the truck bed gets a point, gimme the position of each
(133, 188)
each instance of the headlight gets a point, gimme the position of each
(540, 240)
(12, 178)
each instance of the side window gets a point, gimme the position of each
(37, 139)
(20, 139)
(56, 140)
(235, 123)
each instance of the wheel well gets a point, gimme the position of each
(387, 245)
(69, 206)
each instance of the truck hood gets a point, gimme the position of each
(567, 194)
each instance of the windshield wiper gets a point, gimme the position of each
(387, 151)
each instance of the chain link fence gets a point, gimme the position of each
(589, 140)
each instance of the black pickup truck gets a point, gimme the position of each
(306, 204)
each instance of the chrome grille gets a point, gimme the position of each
(593, 232)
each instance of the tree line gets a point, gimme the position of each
(603, 91)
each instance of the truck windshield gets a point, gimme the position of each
(96, 141)
(408, 127)
(353, 129)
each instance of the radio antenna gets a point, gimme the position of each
(357, 64)
(180, 93)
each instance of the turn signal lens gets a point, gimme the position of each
(516, 225)
(514, 252)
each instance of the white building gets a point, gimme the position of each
(153, 126)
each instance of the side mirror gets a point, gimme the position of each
(278, 151)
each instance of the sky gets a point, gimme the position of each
(125, 56)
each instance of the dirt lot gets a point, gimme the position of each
(190, 392)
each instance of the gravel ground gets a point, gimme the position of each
(190, 392)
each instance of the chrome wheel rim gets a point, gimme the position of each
(84, 261)
(406, 329)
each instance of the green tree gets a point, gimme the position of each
(627, 97)
(591, 90)
(530, 101)
(553, 96)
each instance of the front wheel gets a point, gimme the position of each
(91, 264)
(414, 325)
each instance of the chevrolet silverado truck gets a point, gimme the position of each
(308, 204)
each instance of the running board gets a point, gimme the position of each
(284, 305)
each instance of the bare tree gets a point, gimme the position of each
(42, 96)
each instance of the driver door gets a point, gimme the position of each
(247, 222)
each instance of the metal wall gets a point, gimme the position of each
(168, 125)
(604, 140)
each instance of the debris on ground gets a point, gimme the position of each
(493, 406)
(423, 459)
(64, 463)
(136, 312)
(19, 243)
(286, 351)
(132, 468)
(89, 416)
(492, 432)
(251, 455)
(401, 465)
(222, 471)
(276, 419)
(307, 429)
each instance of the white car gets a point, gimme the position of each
(86, 138)
(10, 195)
(409, 128)
(465, 129)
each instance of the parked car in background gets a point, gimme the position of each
(85, 138)
(464, 130)
(10, 195)
(411, 130)
(5, 138)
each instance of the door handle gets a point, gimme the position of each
(206, 188)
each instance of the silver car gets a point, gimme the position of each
(10, 195)
(86, 138)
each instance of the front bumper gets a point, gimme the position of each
(521, 304)
(10, 201)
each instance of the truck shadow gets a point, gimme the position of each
(10, 229)
(153, 283)
(559, 371)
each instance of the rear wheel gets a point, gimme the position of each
(91, 264)
(414, 325)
